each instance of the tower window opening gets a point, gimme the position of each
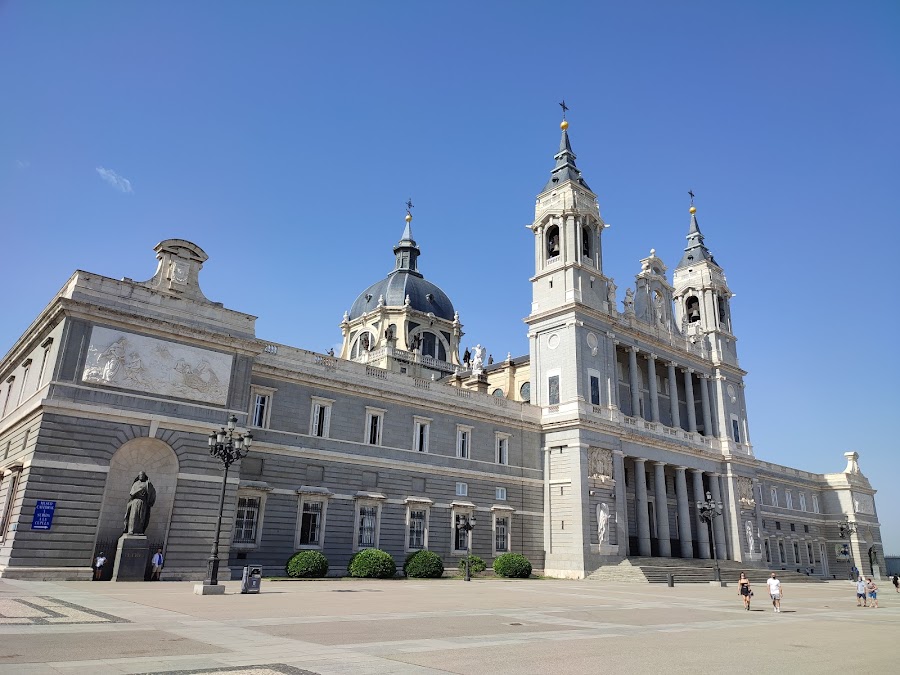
(692, 309)
(722, 303)
(586, 242)
(553, 241)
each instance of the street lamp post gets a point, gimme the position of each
(708, 512)
(467, 524)
(228, 447)
(847, 530)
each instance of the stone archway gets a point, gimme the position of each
(160, 463)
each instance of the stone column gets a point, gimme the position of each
(704, 404)
(539, 254)
(640, 506)
(663, 536)
(621, 502)
(702, 528)
(719, 523)
(612, 371)
(634, 376)
(673, 397)
(654, 393)
(684, 513)
(689, 400)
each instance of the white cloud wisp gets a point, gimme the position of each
(120, 183)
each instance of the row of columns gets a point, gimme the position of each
(634, 377)
(687, 526)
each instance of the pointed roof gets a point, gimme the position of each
(407, 245)
(696, 250)
(565, 168)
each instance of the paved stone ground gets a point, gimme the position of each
(444, 626)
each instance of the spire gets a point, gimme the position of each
(406, 251)
(565, 168)
(696, 250)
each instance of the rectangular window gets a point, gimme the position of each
(261, 406)
(463, 439)
(374, 425)
(782, 557)
(815, 504)
(595, 390)
(502, 448)
(245, 520)
(777, 524)
(9, 388)
(774, 496)
(320, 417)
(501, 534)
(26, 368)
(553, 390)
(788, 499)
(500, 494)
(416, 529)
(806, 529)
(735, 430)
(8, 502)
(311, 524)
(809, 553)
(793, 527)
(46, 345)
(802, 501)
(768, 552)
(796, 553)
(421, 430)
(368, 516)
(462, 489)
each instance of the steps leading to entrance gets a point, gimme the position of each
(688, 571)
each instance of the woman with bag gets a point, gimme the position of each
(744, 590)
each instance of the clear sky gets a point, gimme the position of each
(285, 137)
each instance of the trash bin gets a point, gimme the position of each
(252, 578)
(671, 580)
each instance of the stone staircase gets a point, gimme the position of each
(689, 571)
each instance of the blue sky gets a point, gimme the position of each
(284, 139)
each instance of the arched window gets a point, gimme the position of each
(586, 242)
(525, 392)
(497, 392)
(364, 343)
(692, 309)
(723, 309)
(429, 344)
(552, 241)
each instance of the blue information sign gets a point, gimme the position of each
(43, 515)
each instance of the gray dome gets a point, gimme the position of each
(424, 296)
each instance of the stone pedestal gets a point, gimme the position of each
(876, 572)
(209, 589)
(478, 382)
(132, 554)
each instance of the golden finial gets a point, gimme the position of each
(564, 124)
(693, 208)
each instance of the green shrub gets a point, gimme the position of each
(307, 565)
(372, 563)
(476, 565)
(423, 565)
(512, 565)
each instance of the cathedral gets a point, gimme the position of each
(621, 436)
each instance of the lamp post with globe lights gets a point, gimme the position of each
(708, 511)
(228, 447)
(466, 523)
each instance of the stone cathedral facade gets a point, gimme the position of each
(594, 447)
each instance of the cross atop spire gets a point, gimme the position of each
(409, 206)
(564, 107)
(691, 193)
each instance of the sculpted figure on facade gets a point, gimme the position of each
(611, 294)
(602, 522)
(478, 360)
(751, 541)
(141, 499)
(745, 492)
(600, 463)
(628, 302)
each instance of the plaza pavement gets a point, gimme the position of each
(440, 626)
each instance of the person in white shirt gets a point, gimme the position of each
(774, 584)
(157, 563)
(99, 562)
(861, 592)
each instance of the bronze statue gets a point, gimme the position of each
(141, 499)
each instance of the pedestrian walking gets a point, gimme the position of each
(861, 592)
(774, 584)
(854, 572)
(744, 590)
(157, 563)
(99, 562)
(896, 580)
(873, 592)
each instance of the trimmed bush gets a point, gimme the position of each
(372, 563)
(512, 565)
(476, 565)
(307, 565)
(423, 565)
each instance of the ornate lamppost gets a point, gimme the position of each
(228, 447)
(466, 523)
(847, 529)
(708, 512)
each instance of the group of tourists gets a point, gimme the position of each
(866, 590)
